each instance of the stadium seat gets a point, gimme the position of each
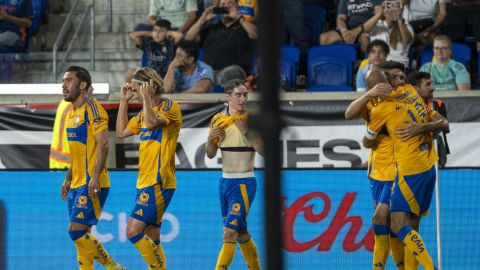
(217, 89)
(290, 56)
(460, 53)
(330, 68)
(314, 19)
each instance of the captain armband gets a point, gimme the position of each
(371, 134)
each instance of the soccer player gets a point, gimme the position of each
(415, 159)
(86, 185)
(238, 144)
(381, 174)
(158, 125)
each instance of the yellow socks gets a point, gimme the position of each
(148, 250)
(415, 244)
(250, 254)
(398, 252)
(161, 254)
(381, 247)
(410, 262)
(226, 255)
(85, 260)
(92, 247)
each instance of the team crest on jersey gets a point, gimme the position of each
(236, 209)
(398, 107)
(143, 199)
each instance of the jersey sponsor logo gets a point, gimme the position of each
(145, 135)
(234, 222)
(80, 215)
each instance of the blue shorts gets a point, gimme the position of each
(83, 209)
(151, 203)
(413, 193)
(381, 191)
(236, 196)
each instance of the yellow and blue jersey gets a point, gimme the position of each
(233, 139)
(248, 9)
(82, 125)
(416, 154)
(381, 164)
(157, 147)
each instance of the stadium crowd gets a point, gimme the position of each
(226, 30)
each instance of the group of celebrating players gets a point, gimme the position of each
(87, 184)
(401, 164)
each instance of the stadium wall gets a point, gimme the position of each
(326, 215)
(317, 135)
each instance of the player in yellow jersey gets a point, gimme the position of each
(381, 174)
(86, 185)
(415, 159)
(238, 145)
(158, 125)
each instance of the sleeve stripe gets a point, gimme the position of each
(94, 108)
(371, 135)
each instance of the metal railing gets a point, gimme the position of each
(63, 31)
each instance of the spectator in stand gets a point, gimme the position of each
(185, 73)
(396, 32)
(293, 19)
(447, 74)
(228, 45)
(425, 17)
(378, 51)
(14, 15)
(353, 24)
(463, 18)
(158, 44)
(181, 13)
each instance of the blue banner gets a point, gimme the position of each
(327, 216)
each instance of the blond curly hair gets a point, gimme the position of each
(147, 74)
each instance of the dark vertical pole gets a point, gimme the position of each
(270, 125)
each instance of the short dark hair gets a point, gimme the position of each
(232, 84)
(82, 75)
(415, 78)
(389, 65)
(378, 42)
(164, 23)
(190, 47)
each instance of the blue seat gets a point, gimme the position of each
(290, 56)
(217, 89)
(460, 53)
(330, 66)
(314, 19)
